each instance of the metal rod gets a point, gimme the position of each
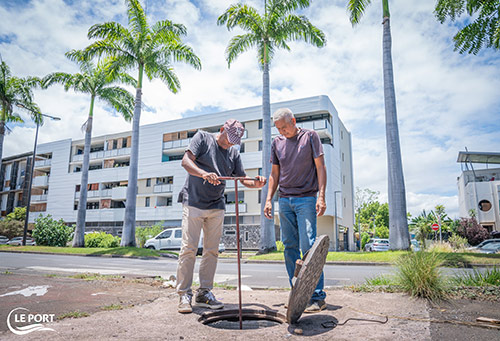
(241, 178)
(30, 183)
(239, 249)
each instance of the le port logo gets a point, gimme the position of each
(21, 322)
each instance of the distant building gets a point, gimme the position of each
(57, 174)
(479, 187)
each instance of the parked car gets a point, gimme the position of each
(483, 243)
(19, 241)
(377, 244)
(490, 248)
(415, 246)
(171, 239)
(3, 240)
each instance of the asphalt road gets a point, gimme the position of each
(254, 275)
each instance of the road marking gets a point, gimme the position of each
(87, 270)
(27, 292)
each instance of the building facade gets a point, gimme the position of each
(57, 174)
(479, 187)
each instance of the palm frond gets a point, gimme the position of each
(239, 44)
(243, 16)
(109, 30)
(136, 18)
(296, 27)
(166, 74)
(356, 9)
(120, 99)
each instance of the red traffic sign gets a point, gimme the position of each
(435, 227)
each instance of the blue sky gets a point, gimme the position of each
(446, 100)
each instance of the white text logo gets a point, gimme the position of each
(34, 321)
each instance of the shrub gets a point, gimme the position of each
(18, 214)
(365, 237)
(11, 229)
(457, 242)
(418, 274)
(101, 239)
(382, 232)
(50, 232)
(440, 247)
(472, 230)
(280, 246)
(144, 233)
(478, 278)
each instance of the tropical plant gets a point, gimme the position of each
(150, 50)
(469, 228)
(268, 33)
(101, 239)
(51, 232)
(142, 234)
(421, 226)
(482, 27)
(372, 215)
(399, 236)
(457, 242)
(18, 214)
(365, 237)
(99, 84)
(12, 228)
(15, 93)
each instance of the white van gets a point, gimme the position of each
(171, 239)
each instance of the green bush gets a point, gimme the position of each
(280, 246)
(50, 232)
(419, 275)
(18, 214)
(101, 239)
(144, 233)
(478, 278)
(457, 242)
(441, 247)
(365, 237)
(11, 229)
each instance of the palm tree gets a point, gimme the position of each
(150, 50)
(15, 92)
(268, 33)
(399, 236)
(99, 84)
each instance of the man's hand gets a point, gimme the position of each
(320, 206)
(268, 210)
(260, 181)
(212, 178)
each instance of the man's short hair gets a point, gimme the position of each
(283, 113)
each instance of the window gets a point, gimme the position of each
(165, 180)
(342, 134)
(344, 203)
(148, 201)
(260, 171)
(342, 156)
(115, 144)
(93, 205)
(124, 142)
(247, 235)
(148, 182)
(169, 201)
(242, 148)
(178, 234)
(260, 145)
(343, 179)
(259, 198)
(165, 234)
(260, 124)
(230, 233)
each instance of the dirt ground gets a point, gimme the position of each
(143, 310)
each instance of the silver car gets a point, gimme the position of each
(489, 248)
(3, 240)
(19, 241)
(377, 244)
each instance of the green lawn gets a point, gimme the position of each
(122, 251)
(450, 259)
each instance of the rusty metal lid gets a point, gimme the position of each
(307, 279)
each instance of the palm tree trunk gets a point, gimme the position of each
(399, 236)
(2, 135)
(128, 232)
(79, 237)
(267, 236)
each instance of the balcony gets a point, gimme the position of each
(38, 198)
(90, 194)
(40, 181)
(231, 208)
(176, 144)
(43, 163)
(162, 188)
(103, 154)
(106, 193)
(119, 193)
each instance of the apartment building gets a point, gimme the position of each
(57, 174)
(479, 187)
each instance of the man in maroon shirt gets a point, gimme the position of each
(299, 170)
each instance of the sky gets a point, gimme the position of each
(446, 101)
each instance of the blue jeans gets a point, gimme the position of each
(298, 233)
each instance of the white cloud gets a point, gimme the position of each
(446, 101)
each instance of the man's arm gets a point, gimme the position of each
(191, 167)
(259, 182)
(273, 185)
(321, 172)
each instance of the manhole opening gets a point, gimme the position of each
(251, 319)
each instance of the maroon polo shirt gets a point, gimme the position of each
(295, 156)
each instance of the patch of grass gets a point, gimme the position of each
(112, 307)
(7, 272)
(381, 280)
(50, 275)
(224, 286)
(418, 274)
(73, 315)
(478, 278)
(94, 276)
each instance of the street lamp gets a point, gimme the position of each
(336, 226)
(32, 170)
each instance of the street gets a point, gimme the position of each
(254, 275)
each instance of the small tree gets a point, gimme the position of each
(18, 214)
(50, 232)
(142, 234)
(11, 229)
(472, 230)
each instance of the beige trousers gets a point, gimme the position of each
(193, 221)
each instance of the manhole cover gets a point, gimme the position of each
(251, 319)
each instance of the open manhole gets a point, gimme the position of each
(251, 319)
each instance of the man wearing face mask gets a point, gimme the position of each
(208, 157)
(298, 167)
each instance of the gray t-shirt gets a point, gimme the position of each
(295, 156)
(214, 159)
